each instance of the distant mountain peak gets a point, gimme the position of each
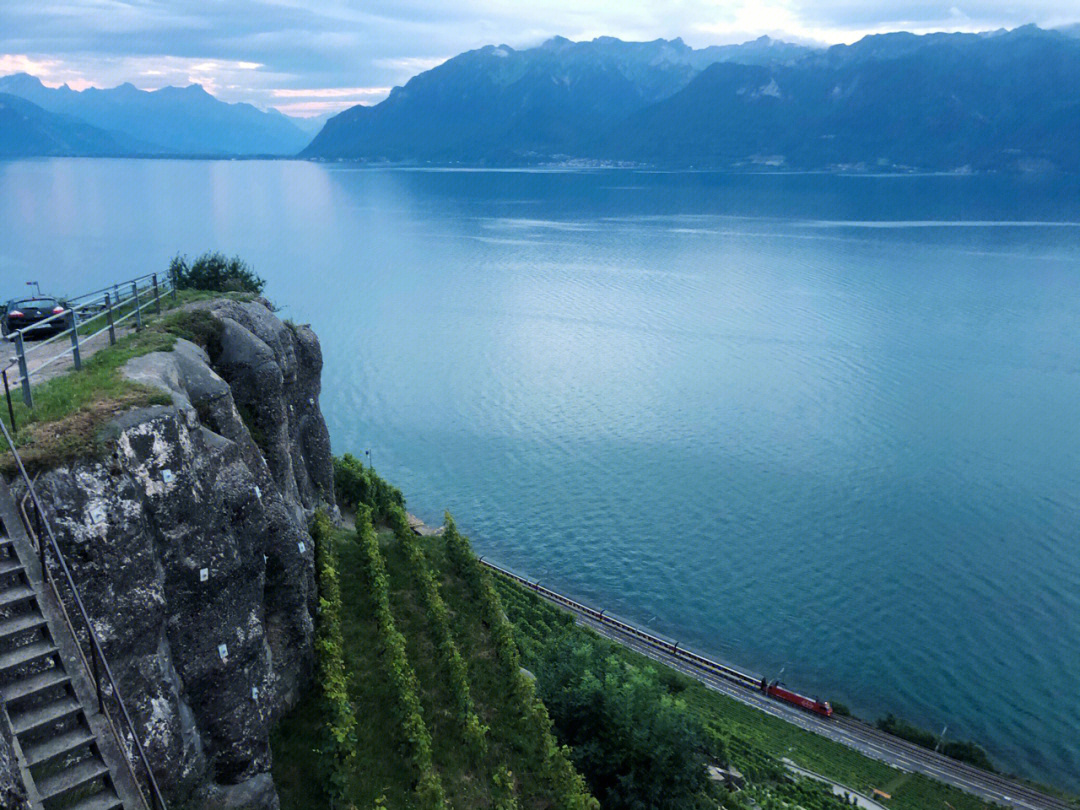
(556, 42)
(15, 81)
(172, 120)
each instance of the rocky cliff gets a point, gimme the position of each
(12, 788)
(188, 540)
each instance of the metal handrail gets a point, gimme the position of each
(99, 303)
(87, 666)
(99, 665)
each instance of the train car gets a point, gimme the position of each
(780, 692)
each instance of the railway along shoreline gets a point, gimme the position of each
(810, 715)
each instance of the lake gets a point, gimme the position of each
(821, 425)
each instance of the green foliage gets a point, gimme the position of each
(473, 731)
(215, 272)
(504, 789)
(339, 748)
(636, 744)
(571, 791)
(735, 733)
(356, 485)
(964, 751)
(429, 792)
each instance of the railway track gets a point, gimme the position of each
(746, 688)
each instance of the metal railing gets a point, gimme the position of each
(110, 702)
(81, 320)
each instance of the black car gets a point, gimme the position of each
(23, 312)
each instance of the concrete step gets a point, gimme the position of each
(41, 683)
(14, 594)
(54, 747)
(40, 717)
(26, 655)
(69, 779)
(106, 800)
(21, 624)
(35, 684)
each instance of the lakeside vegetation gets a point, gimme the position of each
(749, 740)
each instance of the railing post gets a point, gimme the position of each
(109, 315)
(138, 309)
(97, 675)
(40, 541)
(24, 373)
(10, 407)
(76, 355)
(157, 295)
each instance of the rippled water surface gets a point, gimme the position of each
(829, 425)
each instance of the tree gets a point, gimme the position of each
(637, 746)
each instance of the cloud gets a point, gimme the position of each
(332, 92)
(246, 50)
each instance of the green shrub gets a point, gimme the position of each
(339, 749)
(503, 789)
(356, 485)
(216, 273)
(398, 671)
(964, 751)
(570, 789)
(636, 744)
(474, 733)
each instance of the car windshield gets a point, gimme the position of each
(35, 303)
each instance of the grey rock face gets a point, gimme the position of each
(12, 789)
(189, 544)
(275, 371)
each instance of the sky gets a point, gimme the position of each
(311, 58)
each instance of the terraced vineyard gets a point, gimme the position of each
(441, 721)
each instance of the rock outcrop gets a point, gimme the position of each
(12, 788)
(190, 547)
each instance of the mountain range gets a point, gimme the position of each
(169, 121)
(26, 129)
(1003, 100)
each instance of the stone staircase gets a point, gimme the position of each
(51, 708)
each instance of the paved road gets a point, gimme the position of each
(857, 735)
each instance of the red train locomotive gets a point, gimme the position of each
(778, 691)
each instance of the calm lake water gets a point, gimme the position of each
(825, 425)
